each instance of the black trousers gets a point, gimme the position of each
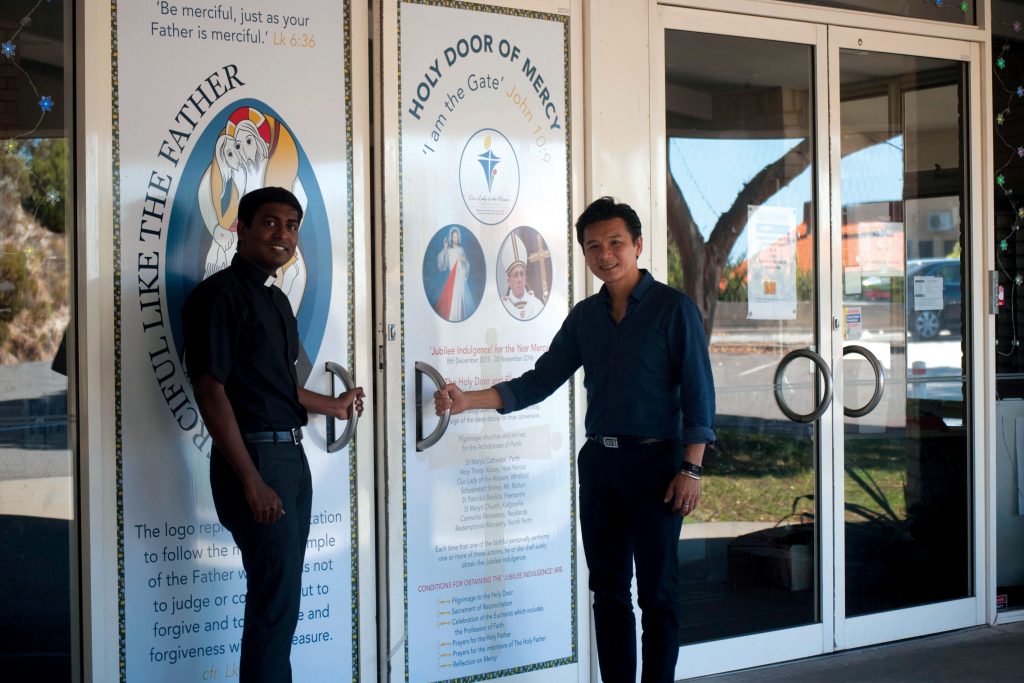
(624, 520)
(272, 555)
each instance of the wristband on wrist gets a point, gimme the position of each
(691, 468)
(695, 477)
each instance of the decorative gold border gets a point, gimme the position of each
(118, 423)
(353, 461)
(118, 377)
(528, 14)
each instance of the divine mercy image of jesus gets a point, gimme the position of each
(453, 273)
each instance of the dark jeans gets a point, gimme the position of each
(272, 555)
(624, 520)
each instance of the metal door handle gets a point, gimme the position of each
(879, 381)
(826, 398)
(423, 443)
(335, 445)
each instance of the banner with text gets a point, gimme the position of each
(213, 101)
(485, 196)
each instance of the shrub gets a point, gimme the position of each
(15, 285)
(48, 182)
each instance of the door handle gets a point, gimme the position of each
(879, 381)
(335, 445)
(826, 397)
(423, 443)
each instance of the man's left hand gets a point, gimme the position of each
(684, 494)
(344, 403)
(339, 407)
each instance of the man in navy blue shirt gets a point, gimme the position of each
(650, 409)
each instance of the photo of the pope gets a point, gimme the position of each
(523, 273)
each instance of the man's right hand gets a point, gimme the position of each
(264, 502)
(450, 398)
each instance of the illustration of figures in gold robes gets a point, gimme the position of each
(254, 150)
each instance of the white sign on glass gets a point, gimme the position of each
(772, 267)
(927, 293)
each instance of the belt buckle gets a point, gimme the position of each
(609, 442)
(296, 433)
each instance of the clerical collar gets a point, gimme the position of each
(251, 272)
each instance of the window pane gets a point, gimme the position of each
(907, 461)
(741, 209)
(36, 464)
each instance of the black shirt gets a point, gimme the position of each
(239, 328)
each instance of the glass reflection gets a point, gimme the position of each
(36, 467)
(907, 465)
(741, 244)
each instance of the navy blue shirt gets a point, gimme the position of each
(648, 375)
(240, 329)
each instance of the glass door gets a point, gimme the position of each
(816, 196)
(901, 215)
(745, 182)
(39, 613)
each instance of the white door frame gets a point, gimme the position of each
(712, 657)
(834, 632)
(388, 248)
(934, 618)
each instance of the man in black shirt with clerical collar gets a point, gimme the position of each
(241, 347)
(650, 410)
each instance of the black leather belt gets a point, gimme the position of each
(292, 436)
(620, 441)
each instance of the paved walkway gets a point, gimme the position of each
(977, 655)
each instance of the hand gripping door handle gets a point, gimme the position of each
(335, 445)
(423, 443)
(826, 397)
(879, 381)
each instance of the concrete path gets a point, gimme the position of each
(978, 655)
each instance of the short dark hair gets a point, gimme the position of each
(603, 209)
(248, 204)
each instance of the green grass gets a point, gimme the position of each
(770, 478)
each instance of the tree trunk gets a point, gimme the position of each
(703, 262)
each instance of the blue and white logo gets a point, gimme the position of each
(489, 176)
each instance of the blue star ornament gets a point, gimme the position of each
(46, 103)
(7, 49)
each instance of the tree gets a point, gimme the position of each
(703, 262)
(48, 181)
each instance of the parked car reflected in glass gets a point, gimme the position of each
(877, 288)
(934, 326)
(933, 307)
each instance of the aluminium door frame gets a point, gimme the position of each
(835, 632)
(933, 618)
(759, 649)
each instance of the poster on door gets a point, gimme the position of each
(486, 237)
(210, 106)
(771, 260)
